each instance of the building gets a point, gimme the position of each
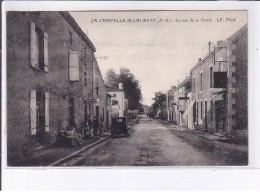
(145, 109)
(170, 104)
(117, 100)
(181, 103)
(220, 87)
(161, 111)
(108, 112)
(53, 79)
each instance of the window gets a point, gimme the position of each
(211, 110)
(38, 48)
(201, 109)
(85, 78)
(39, 112)
(220, 79)
(85, 75)
(210, 77)
(97, 90)
(201, 82)
(97, 87)
(114, 102)
(114, 95)
(194, 84)
(70, 37)
(74, 66)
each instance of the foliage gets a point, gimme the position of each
(111, 78)
(158, 98)
(131, 86)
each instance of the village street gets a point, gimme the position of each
(153, 143)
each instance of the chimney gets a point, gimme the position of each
(121, 86)
(173, 88)
(211, 46)
(199, 60)
(219, 42)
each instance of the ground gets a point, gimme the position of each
(153, 143)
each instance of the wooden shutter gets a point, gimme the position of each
(47, 97)
(74, 66)
(46, 59)
(33, 113)
(33, 46)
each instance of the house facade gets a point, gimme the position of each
(220, 87)
(170, 104)
(117, 100)
(53, 79)
(181, 103)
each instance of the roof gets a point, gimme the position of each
(114, 89)
(111, 88)
(187, 80)
(232, 38)
(66, 15)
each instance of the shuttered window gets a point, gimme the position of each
(33, 112)
(74, 66)
(46, 56)
(47, 96)
(38, 48)
(33, 46)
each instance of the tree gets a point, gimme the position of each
(131, 86)
(158, 98)
(111, 78)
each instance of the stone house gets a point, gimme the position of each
(53, 79)
(181, 103)
(117, 100)
(170, 104)
(220, 87)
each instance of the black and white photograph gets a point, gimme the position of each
(127, 88)
(130, 95)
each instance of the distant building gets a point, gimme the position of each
(145, 109)
(170, 104)
(117, 100)
(161, 111)
(181, 104)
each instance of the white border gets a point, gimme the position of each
(141, 178)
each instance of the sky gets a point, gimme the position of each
(159, 47)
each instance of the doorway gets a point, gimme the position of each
(40, 116)
(220, 115)
(107, 121)
(71, 111)
(206, 115)
(97, 114)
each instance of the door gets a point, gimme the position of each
(194, 112)
(107, 119)
(85, 115)
(40, 119)
(220, 115)
(206, 115)
(71, 111)
(97, 114)
(197, 113)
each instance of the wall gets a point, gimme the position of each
(21, 78)
(120, 98)
(206, 93)
(102, 93)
